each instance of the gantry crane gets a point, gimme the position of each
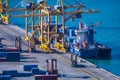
(4, 11)
(43, 30)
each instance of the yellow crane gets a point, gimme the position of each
(38, 19)
(4, 13)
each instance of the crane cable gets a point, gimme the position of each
(16, 7)
(76, 1)
(68, 3)
(33, 12)
(18, 4)
(4, 2)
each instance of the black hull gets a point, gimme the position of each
(100, 53)
(104, 53)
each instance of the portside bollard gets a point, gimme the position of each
(52, 66)
(18, 43)
(74, 60)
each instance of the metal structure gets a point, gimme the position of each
(39, 17)
(18, 43)
(4, 11)
(52, 66)
(74, 60)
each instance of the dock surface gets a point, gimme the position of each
(84, 71)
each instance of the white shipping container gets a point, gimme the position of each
(26, 4)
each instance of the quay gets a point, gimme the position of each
(41, 51)
(84, 70)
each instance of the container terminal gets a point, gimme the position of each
(39, 52)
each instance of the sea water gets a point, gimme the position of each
(108, 32)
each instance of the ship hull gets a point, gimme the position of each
(95, 53)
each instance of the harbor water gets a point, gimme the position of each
(108, 32)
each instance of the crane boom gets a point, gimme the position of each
(56, 13)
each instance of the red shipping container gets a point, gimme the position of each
(11, 49)
(46, 77)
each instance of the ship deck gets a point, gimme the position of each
(84, 71)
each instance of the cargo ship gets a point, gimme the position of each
(81, 41)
